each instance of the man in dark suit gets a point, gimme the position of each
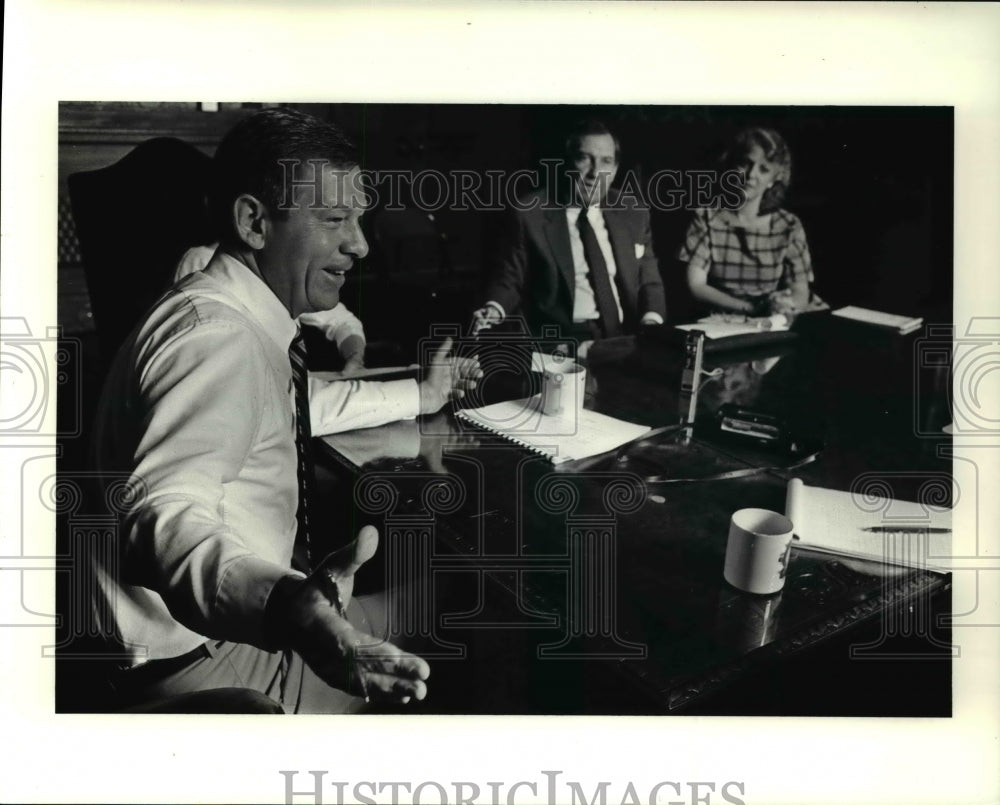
(577, 256)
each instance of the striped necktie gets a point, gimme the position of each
(607, 308)
(303, 440)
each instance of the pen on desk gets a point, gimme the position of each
(905, 530)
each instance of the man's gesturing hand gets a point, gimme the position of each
(447, 377)
(307, 615)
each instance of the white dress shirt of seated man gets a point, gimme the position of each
(194, 574)
(303, 256)
(336, 405)
(338, 324)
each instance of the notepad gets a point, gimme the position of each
(725, 325)
(560, 439)
(891, 321)
(870, 527)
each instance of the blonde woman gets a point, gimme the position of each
(753, 259)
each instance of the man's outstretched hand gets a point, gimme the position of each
(447, 377)
(307, 615)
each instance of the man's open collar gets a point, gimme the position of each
(255, 297)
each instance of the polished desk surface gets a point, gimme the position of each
(587, 588)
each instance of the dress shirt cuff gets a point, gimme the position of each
(498, 308)
(242, 597)
(652, 317)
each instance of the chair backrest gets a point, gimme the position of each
(409, 243)
(134, 220)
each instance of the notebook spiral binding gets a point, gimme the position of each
(510, 438)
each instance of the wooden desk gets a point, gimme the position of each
(585, 589)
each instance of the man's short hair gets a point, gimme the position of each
(587, 128)
(249, 160)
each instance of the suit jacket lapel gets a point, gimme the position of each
(557, 234)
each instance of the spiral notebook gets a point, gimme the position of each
(560, 439)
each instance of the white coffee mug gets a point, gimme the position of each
(563, 389)
(757, 552)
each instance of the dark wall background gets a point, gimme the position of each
(872, 185)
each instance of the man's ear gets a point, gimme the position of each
(250, 220)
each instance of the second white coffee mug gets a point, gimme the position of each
(757, 552)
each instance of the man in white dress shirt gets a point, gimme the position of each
(337, 405)
(338, 324)
(200, 410)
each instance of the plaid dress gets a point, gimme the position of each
(748, 262)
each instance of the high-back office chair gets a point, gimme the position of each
(408, 242)
(411, 261)
(134, 220)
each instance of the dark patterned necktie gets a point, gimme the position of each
(303, 444)
(607, 308)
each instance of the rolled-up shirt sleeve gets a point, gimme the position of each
(341, 405)
(201, 403)
(337, 324)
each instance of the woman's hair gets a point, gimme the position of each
(775, 150)
(263, 153)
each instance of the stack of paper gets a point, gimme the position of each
(892, 531)
(892, 321)
(724, 325)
